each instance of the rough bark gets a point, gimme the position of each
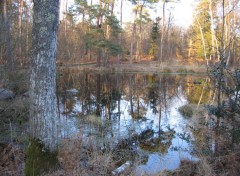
(43, 109)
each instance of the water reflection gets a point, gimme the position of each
(110, 108)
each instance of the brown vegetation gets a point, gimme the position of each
(12, 159)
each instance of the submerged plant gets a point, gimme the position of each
(186, 111)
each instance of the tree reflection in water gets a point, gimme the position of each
(119, 106)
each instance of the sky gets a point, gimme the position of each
(181, 11)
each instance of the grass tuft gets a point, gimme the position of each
(186, 111)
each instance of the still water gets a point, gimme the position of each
(109, 108)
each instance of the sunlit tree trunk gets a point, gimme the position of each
(120, 35)
(139, 41)
(65, 20)
(215, 47)
(162, 31)
(203, 42)
(43, 106)
(167, 36)
(133, 37)
(222, 59)
(190, 49)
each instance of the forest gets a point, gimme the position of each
(94, 32)
(119, 87)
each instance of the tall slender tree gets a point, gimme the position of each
(7, 34)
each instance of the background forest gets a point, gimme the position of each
(93, 31)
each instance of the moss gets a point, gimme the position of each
(39, 159)
(186, 111)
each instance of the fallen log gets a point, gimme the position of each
(122, 168)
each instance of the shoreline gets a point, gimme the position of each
(137, 68)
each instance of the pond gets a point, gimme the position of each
(139, 108)
(133, 117)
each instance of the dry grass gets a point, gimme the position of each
(80, 157)
(11, 160)
(228, 165)
(149, 67)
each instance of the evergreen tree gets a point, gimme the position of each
(154, 38)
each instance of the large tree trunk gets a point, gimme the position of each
(43, 109)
